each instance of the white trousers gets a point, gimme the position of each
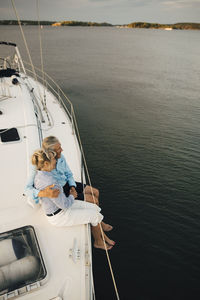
(81, 212)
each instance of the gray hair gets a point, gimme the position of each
(49, 142)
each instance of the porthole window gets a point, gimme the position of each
(9, 135)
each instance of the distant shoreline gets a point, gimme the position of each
(177, 26)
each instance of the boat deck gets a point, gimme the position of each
(66, 278)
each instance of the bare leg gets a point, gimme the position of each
(92, 191)
(98, 241)
(91, 199)
(92, 196)
(109, 241)
(106, 227)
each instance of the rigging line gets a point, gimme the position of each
(26, 45)
(41, 50)
(21, 126)
(42, 63)
(24, 126)
(40, 39)
(102, 233)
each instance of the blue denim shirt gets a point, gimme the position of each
(61, 173)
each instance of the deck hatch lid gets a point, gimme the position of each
(21, 262)
(9, 135)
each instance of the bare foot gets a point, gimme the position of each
(102, 246)
(106, 227)
(109, 241)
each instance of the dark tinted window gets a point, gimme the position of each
(9, 135)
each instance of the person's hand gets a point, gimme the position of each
(49, 192)
(73, 192)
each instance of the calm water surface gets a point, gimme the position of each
(137, 98)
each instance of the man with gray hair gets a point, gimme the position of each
(64, 177)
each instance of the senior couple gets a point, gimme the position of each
(61, 197)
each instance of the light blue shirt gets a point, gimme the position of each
(50, 205)
(62, 174)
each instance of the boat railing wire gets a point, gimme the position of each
(51, 85)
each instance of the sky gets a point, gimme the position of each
(111, 11)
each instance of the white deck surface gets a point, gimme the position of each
(64, 276)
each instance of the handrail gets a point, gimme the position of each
(59, 93)
(61, 97)
(53, 81)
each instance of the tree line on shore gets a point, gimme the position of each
(163, 26)
(24, 22)
(53, 23)
(79, 23)
(131, 25)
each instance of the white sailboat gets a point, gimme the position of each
(37, 261)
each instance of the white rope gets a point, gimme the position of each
(41, 51)
(27, 49)
(42, 64)
(102, 233)
(40, 39)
